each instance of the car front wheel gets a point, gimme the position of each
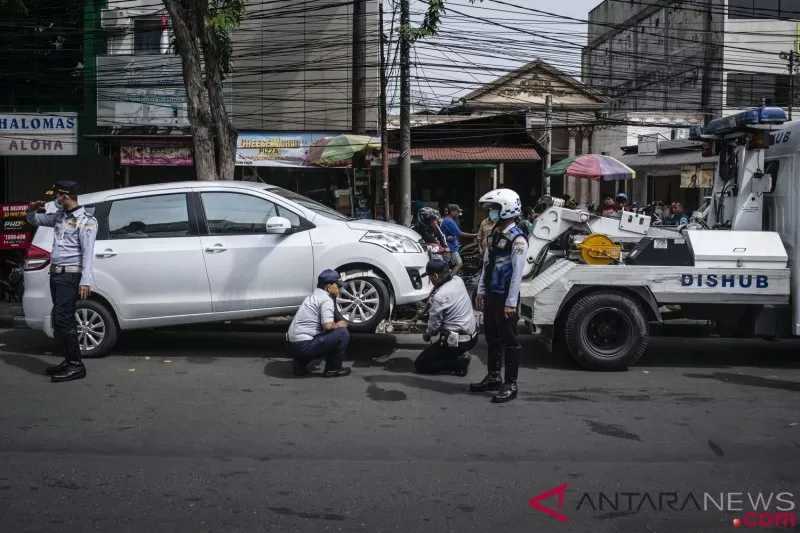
(363, 302)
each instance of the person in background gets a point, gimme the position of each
(451, 323)
(622, 202)
(528, 220)
(71, 270)
(498, 293)
(484, 231)
(428, 227)
(452, 231)
(609, 207)
(569, 203)
(314, 333)
(677, 216)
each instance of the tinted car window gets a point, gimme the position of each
(237, 214)
(149, 217)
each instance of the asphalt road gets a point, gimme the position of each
(198, 430)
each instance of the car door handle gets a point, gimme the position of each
(217, 248)
(108, 252)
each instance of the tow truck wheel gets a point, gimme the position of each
(606, 331)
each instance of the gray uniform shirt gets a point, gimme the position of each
(451, 309)
(316, 309)
(74, 234)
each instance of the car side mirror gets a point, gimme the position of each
(278, 226)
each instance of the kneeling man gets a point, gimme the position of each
(451, 321)
(314, 333)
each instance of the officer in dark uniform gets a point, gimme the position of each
(451, 324)
(71, 270)
(498, 292)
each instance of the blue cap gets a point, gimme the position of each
(328, 276)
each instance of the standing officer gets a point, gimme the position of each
(71, 270)
(498, 292)
(451, 318)
(314, 332)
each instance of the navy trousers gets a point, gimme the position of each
(329, 345)
(64, 292)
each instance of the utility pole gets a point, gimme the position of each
(708, 56)
(548, 128)
(359, 99)
(384, 112)
(405, 114)
(792, 59)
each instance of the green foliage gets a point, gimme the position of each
(224, 16)
(430, 24)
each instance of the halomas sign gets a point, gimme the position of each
(26, 134)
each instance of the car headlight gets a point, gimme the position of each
(393, 242)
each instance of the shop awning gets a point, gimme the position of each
(662, 160)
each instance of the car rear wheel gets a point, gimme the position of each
(606, 331)
(97, 329)
(363, 302)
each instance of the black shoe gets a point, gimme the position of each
(338, 373)
(55, 369)
(507, 393)
(462, 366)
(489, 383)
(71, 372)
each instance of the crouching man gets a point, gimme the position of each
(451, 324)
(315, 334)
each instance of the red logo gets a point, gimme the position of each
(559, 491)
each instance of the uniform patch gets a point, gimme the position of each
(519, 248)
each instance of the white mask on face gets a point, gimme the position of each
(494, 215)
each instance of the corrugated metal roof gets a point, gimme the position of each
(475, 153)
(667, 159)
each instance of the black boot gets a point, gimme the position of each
(55, 369)
(461, 366)
(73, 370)
(507, 393)
(491, 382)
(337, 373)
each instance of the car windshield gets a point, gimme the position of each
(308, 203)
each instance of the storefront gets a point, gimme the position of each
(145, 161)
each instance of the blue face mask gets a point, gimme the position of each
(494, 215)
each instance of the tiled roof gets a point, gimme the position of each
(475, 153)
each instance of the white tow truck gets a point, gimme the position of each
(598, 285)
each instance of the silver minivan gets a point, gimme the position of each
(191, 252)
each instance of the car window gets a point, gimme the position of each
(151, 217)
(241, 214)
(308, 203)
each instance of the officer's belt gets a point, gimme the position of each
(68, 269)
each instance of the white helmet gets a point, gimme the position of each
(506, 199)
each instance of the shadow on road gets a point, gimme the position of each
(30, 364)
(750, 381)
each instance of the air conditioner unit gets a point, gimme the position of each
(115, 19)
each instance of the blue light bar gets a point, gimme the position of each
(752, 117)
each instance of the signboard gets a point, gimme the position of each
(141, 91)
(163, 154)
(266, 149)
(16, 232)
(697, 177)
(26, 134)
(648, 144)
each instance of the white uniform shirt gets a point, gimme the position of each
(316, 309)
(451, 309)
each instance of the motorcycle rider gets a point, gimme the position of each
(498, 293)
(428, 227)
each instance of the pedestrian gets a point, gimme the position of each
(677, 216)
(484, 231)
(314, 332)
(451, 324)
(609, 207)
(452, 231)
(498, 293)
(527, 222)
(71, 270)
(622, 201)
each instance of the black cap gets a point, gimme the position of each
(436, 266)
(63, 187)
(454, 207)
(328, 276)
